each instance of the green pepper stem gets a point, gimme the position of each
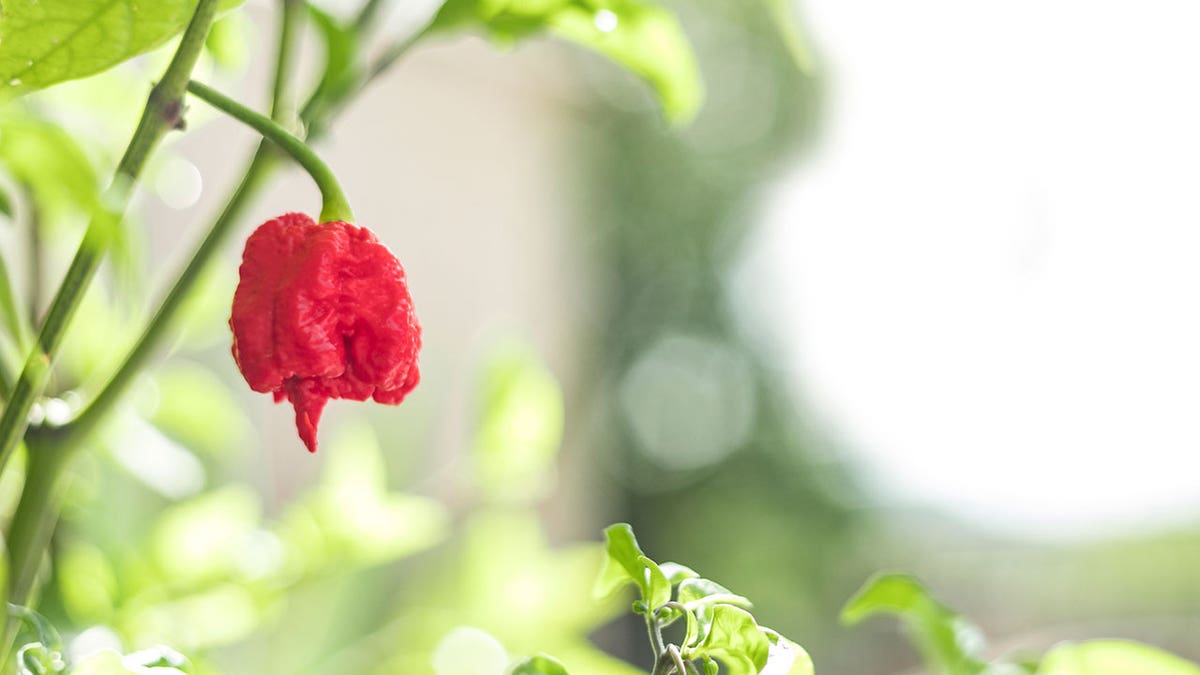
(333, 201)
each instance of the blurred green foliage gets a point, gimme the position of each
(951, 645)
(43, 42)
(641, 36)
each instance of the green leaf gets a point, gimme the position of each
(43, 42)
(342, 68)
(677, 573)
(658, 589)
(948, 642)
(227, 41)
(783, 649)
(50, 164)
(641, 36)
(1113, 657)
(622, 565)
(734, 639)
(699, 623)
(540, 664)
(697, 591)
(43, 156)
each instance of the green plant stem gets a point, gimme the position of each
(42, 496)
(656, 642)
(12, 323)
(393, 54)
(35, 254)
(38, 506)
(334, 205)
(367, 15)
(162, 113)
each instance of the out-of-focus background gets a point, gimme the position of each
(918, 296)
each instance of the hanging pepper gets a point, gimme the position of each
(320, 312)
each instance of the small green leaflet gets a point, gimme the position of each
(948, 642)
(735, 639)
(641, 36)
(43, 42)
(541, 664)
(621, 565)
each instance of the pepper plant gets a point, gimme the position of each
(323, 311)
(43, 43)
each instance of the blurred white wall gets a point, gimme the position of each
(990, 269)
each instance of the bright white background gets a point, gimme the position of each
(991, 267)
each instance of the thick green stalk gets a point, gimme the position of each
(42, 495)
(162, 113)
(334, 205)
(74, 433)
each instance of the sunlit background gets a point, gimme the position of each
(914, 291)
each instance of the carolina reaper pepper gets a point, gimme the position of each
(320, 312)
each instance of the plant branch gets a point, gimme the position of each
(162, 113)
(41, 496)
(254, 177)
(656, 640)
(367, 15)
(33, 223)
(12, 323)
(393, 54)
(334, 205)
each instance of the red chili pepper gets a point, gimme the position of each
(321, 312)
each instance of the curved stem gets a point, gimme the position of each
(656, 640)
(677, 659)
(254, 177)
(162, 113)
(334, 205)
(313, 114)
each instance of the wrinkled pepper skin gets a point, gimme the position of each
(320, 312)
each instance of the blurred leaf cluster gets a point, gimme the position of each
(951, 645)
(719, 626)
